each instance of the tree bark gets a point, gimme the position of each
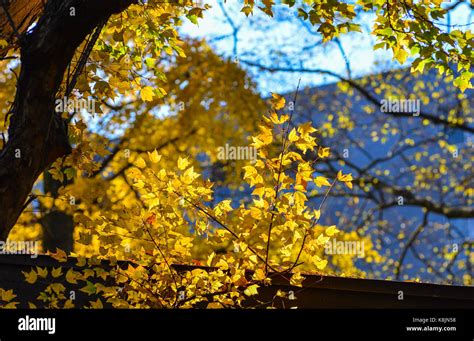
(37, 135)
(58, 227)
(16, 16)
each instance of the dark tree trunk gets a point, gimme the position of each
(37, 135)
(58, 227)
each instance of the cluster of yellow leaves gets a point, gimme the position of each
(280, 184)
(54, 295)
(403, 27)
(173, 223)
(174, 219)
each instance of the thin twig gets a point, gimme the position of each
(280, 170)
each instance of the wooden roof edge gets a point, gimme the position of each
(317, 282)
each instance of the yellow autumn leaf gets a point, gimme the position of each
(42, 272)
(297, 279)
(71, 277)
(304, 145)
(58, 288)
(251, 290)
(183, 163)
(347, 178)
(264, 138)
(259, 275)
(322, 239)
(278, 119)
(147, 94)
(321, 181)
(321, 264)
(293, 136)
(30, 277)
(259, 191)
(331, 230)
(189, 176)
(253, 259)
(280, 293)
(56, 272)
(214, 305)
(59, 255)
(306, 129)
(250, 172)
(323, 152)
(97, 304)
(222, 264)
(140, 163)
(81, 261)
(341, 177)
(7, 295)
(401, 55)
(154, 156)
(278, 102)
(300, 198)
(210, 258)
(11, 305)
(68, 304)
(223, 207)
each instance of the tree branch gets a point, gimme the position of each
(45, 55)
